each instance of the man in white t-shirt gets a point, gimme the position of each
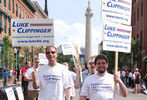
(32, 93)
(100, 86)
(73, 76)
(53, 79)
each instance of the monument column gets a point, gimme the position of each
(88, 39)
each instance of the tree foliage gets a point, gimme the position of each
(65, 58)
(7, 54)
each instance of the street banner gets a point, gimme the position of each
(32, 32)
(19, 93)
(10, 93)
(117, 37)
(42, 59)
(118, 11)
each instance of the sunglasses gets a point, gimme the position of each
(51, 52)
(90, 63)
(36, 61)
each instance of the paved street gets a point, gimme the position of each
(131, 96)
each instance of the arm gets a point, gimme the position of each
(67, 93)
(123, 88)
(83, 97)
(27, 76)
(27, 79)
(34, 76)
(77, 81)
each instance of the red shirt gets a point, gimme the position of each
(24, 70)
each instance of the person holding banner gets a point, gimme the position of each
(90, 71)
(53, 79)
(32, 93)
(100, 86)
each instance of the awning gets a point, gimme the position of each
(144, 59)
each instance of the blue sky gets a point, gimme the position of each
(69, 19)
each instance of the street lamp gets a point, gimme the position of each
(15, 52)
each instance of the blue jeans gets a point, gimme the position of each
(124, 80)
(6, 79)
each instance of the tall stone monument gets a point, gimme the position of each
(88, 39)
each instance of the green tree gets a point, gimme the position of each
(7, 54)
(65, 58)
(135, 50)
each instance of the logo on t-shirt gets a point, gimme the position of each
(51, 78)
(100, 86)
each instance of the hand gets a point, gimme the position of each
(117, 78)
(34, 74)
(77, 69)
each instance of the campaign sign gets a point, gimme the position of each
(68, 49)
(42, 59)
(10, 93)
(19, 93)
(117, 11)
(117, 37)
(32, 32)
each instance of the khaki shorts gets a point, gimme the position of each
(33, 94)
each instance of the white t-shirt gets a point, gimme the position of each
(99, 88)
(123, 74)
(72, 89)
(52, 81)
(29, 75)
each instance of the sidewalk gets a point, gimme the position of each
(131, 95)
(11, 82)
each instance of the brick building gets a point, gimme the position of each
(139, 30)
(17, 9)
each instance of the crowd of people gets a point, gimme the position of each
(55, 81)
(134, 79)
(11, 76)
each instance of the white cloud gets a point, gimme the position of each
(75, 33)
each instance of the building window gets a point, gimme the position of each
(134, 18)
(5, 24)
(142, 9)
(141, 40)
(0, 22)
(9, 5)
(5, 3)
(137, 14)
(22, 14)
(19, 12)
(9, 26)
(13, 6)
(16, 10)
(25, 16)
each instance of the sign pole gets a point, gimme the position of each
(116, 67)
